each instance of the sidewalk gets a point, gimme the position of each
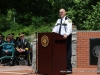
(84, 71)
(27, 70)
(15, 70)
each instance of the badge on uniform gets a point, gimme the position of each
(69, 21)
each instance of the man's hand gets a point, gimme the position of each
(65, 36)
(22, 50)
(18, 50)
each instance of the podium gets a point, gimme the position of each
(51, 54)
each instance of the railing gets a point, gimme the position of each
(12, 51)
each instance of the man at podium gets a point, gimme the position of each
(63, 27)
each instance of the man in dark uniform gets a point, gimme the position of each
(23, 47)
(1, 42)
(63, 27)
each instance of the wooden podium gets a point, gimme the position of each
(51, 54)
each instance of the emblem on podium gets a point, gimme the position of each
(44, 41)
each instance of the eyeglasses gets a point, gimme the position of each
(60, 12)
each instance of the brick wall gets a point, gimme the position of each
(83, 48)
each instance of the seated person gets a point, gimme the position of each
(17, 39)
(22, 47)
(7, 50)
(12, 37)
(1, 42)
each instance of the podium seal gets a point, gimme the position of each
(44, 41)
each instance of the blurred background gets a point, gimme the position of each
(31, 16)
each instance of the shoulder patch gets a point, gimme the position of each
(70, 21)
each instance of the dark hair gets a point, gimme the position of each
(17, 38)
(8, 37)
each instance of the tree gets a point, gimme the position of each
(82, 14)
(44, 12)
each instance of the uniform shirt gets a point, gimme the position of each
(24, 44)
(66, 27)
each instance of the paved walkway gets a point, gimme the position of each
(27, 70)
(84, 71)
(15, 70)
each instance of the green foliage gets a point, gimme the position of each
(5, 21)
(93, 20)
(85, 14)
(47, 28)
(29, 30)
(2, 22)
(40, 15)
(37, 21)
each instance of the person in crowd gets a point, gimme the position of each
(12, 37)
(7, 51)
(3, 38)
(17, 39)
(1, 42)
(63, 27)
(23, 47)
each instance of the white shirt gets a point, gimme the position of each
(66, 27)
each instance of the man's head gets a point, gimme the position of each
(62, 13)
(0, 36)
(21, 35)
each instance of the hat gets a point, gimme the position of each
(21, 34)
(9, 34)
(12, 34)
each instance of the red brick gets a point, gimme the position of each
(83, 48)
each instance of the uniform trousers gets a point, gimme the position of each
(26, 53)
(69, 52)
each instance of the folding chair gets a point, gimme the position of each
(5, 57)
